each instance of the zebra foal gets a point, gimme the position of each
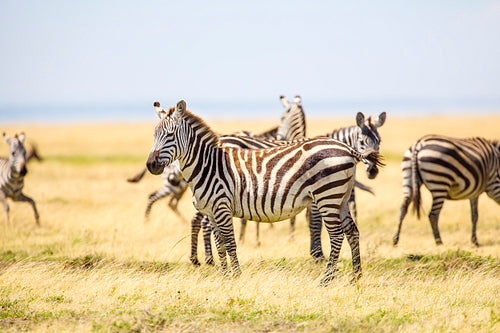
(12, 172)
(453, 169)
(263, 185)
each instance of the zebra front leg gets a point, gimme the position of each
(195, 230)
(402, 213)
(315, 225)
(153, 197)
(292, 228)
(437, 205)
(207, 231)
(474, 217)
(24, 198)
(6, 207)
(220, 244)
(242, 230)
(227, 231)
(352, 233)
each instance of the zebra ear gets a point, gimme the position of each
(284, 101)
(380, 120)
(297, 100)
(6, 138)
(21, 137)
(159, 110)
(360, 119)
(180, 109)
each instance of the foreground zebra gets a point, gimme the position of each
(452, 169)
(12, 172)
(264, 185)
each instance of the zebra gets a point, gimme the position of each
(364, 135)
(12, 172)
(174, 186)
(453, 169)
(264, 185)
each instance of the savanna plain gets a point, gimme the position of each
(94, 265)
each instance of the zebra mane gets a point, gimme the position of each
(200, 126)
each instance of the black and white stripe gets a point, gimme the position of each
(12, 172)
(452, 169)
(264, 185)
(363, 136)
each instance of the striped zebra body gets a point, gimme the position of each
(364, 135)
(453, 169)
(12, 172)
(264, 185)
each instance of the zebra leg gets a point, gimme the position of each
(227, 233)
(315, 225)
(474, 217)
(402, 213)
(195, 230)
(334, 228)
(352, 233)
(207, 231)
(257, 227)
(437, 204)
(242, 230)
(154, 197)
(24, 198)
(352, 205)
(292, 228)
(6, 207)
(220, 244)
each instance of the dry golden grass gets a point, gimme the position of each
(94, 265)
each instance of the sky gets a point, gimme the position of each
(234, 58)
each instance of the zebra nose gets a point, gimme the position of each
(152, 163)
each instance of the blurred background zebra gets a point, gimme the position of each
(453, 169)
(288, 177)
(12, 172)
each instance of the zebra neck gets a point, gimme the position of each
(202, 163)
(346, 135)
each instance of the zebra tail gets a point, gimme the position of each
(363, 187)
(137, 177)
(415, 182)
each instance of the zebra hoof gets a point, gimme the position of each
(209, 261)
(326, 280)
(195, 261)
(395, 241)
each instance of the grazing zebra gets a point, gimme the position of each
(12, 172)
(452, 169)
(362, 136)
(264, 185)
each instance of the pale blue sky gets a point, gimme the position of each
(429, 53)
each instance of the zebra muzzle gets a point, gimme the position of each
(153, 165)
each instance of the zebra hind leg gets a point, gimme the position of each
(437, 204)
(24, 198)
(402, 213)
(352, 233)
(474, 217)
(315, 225)
(334, 228)
(195, 230)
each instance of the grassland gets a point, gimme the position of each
(94, 265)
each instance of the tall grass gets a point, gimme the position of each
(94, 265)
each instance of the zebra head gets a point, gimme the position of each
(166, 139)
(293, 123)
(17, 154)
(366, 138)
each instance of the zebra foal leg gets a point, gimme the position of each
(403, 210)
(6, 207)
